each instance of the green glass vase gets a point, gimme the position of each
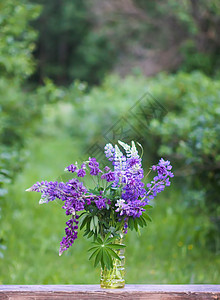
(115, 277)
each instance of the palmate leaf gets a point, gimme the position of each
(103, 251)
(107, 260)
(148, 206)
(94, 253)
(107, 237)
(98, 257)
(139, 222)
(115, 246)
(146, 217)
(93, 248)
(113, 253)
(131, 223)
(135, 224)
(110, 258)
(84, 220)
(90, 234)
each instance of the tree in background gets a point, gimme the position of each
(18, 108)
(85, 39)
(67, 46)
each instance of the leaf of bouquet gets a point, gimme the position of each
(84, 220)
(142, 149)
(111, 240)
(110, 258)
(146, 217)
(112, 253)
(148, 206)
(99, 240)
(93, 223)
(98, 257)
(94, 253)
(140, 222)
(96, 244)
(93, 248)
(107, 236)
(136, 224)
(86, 232)
(143, 221)
(131, 223)
(90, 234)
(97, 231)
(82, 214)
(106, 260)
(102, 260)
(116, 246)
(96, 221)
(94, 192)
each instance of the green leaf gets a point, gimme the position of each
(93, 248)
(146, 217)
(116, 246)
(86, 232)
(135, 224)
(106, 260)
(140, 222)
(107, 236)
(99, 240)
(84, 221)
(90, 234)
(148, 206)
(110, 258)
(111, 240)
(112, 253)
(92, 224)
(143, 221)
(96, 243)
(98, 257)
(82, 214)
(97, 230)
(131, 223)
(102, 261)
(93, 254)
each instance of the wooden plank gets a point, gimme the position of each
(130, 292)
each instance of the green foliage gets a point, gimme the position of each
(170, 251)
(103, 251)
(18, 109)
(194, 60)
(191, 135)
(17, 38)
(67, 47)
(187, 131)
(86, 39)
(140, 222)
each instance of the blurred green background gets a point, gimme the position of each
(77, 74)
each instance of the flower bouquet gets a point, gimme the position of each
(117, 202)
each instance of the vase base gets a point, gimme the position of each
(112, 285)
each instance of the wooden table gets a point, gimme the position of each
(130, 292)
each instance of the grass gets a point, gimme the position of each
(170, 250)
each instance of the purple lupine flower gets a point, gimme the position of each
(109, 151)
(49, 190)
(161, 180)
(100, 202)
(71, 235)
(94, 166)
(110, 176)
(71, 168)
